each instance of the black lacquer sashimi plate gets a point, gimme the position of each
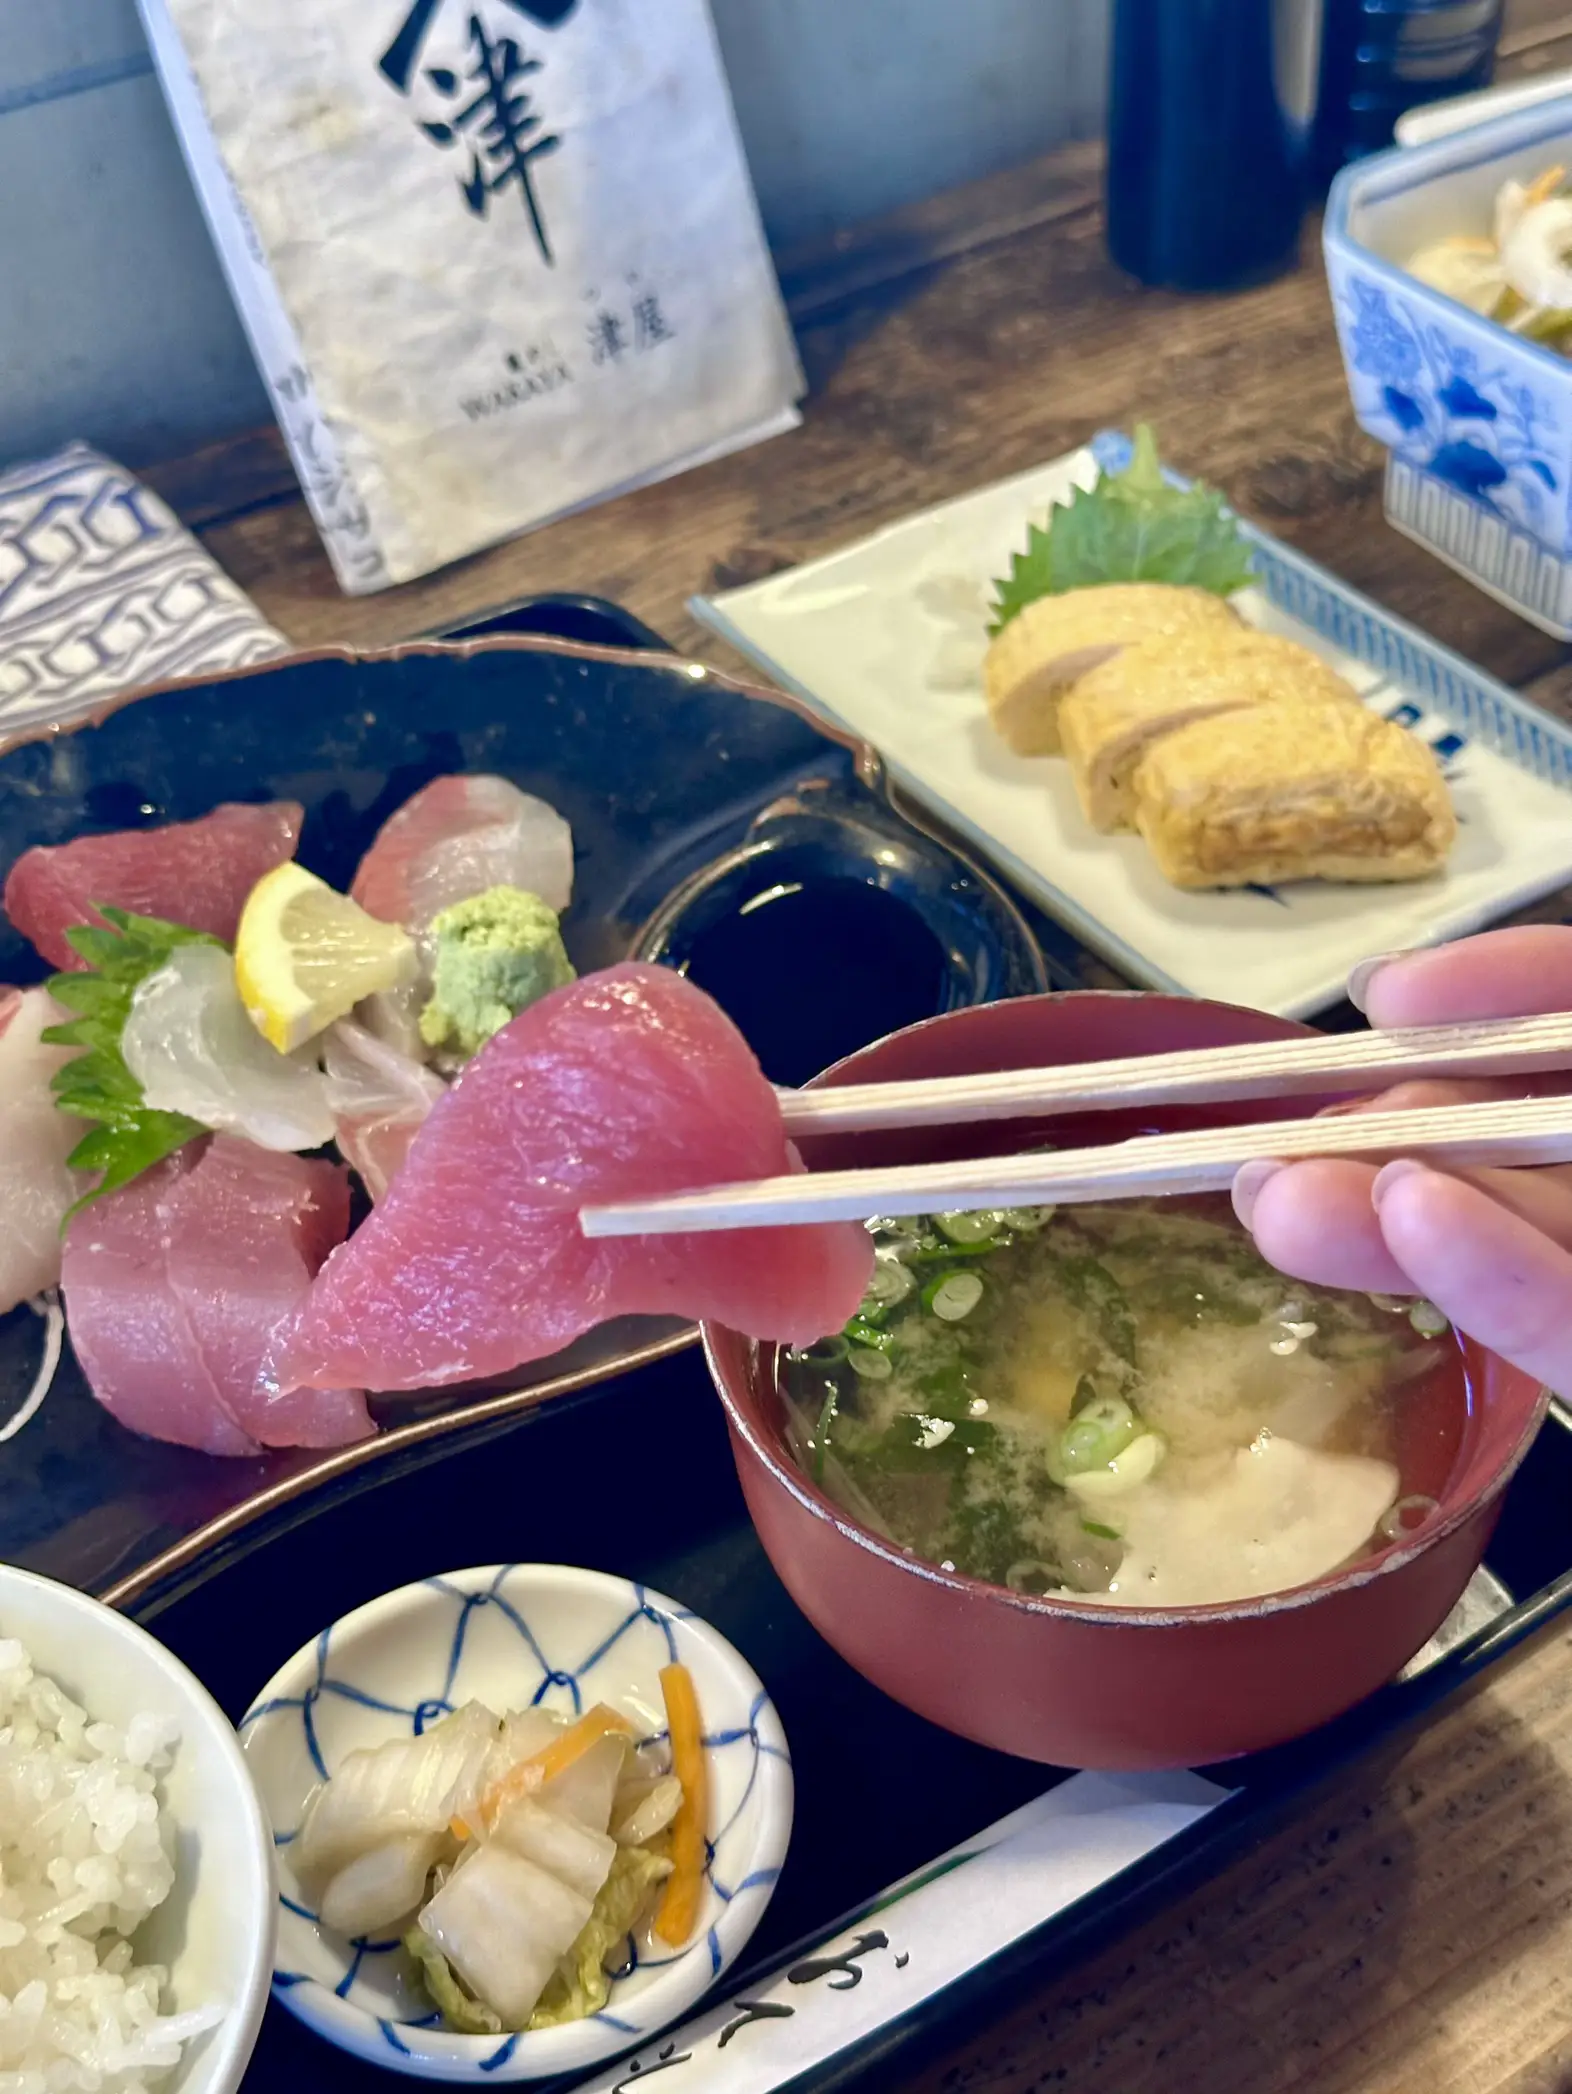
(715, 827)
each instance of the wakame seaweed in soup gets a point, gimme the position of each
(1123, 1403)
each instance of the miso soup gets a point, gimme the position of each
(1124, 1404)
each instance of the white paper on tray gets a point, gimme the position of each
(923, 1935)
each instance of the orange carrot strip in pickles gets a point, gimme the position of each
(679, 1906)
(539, 1768)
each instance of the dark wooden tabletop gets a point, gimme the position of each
(1412, 1933)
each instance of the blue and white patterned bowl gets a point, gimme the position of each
(1477, 419)
(512, 1637)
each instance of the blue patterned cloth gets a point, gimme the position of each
(102, 591)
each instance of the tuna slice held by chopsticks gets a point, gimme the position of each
(194, 873)
(475, 1262)
(177, 1288)
(457, 837)
(35, 1140)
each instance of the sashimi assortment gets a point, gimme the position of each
(224, 1020)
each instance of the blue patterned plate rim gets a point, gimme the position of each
(1402, 168)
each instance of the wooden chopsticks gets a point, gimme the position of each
(1522, 1131)
(1320, 1064)
(1530, 1130)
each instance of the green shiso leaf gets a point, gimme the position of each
(1131, 527)
(127, 1136)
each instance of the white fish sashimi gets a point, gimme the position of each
(379, 1099)
(192, 1048)
(393, 1015)
(36, 1188)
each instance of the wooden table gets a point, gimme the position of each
(1412, 1934)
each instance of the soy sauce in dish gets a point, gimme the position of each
(811, 971)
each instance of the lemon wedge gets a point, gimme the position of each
(306, 954)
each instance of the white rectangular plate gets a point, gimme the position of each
(886, 638)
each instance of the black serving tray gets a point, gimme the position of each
(880, 1792)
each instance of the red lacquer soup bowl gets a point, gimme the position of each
(1060, 1681)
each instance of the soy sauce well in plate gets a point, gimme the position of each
(810, 972)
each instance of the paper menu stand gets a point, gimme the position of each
(497, 259)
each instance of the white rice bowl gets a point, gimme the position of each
(126, 1961)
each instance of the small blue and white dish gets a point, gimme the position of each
(513, 1637)
(1478, 420)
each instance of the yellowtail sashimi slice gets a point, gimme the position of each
(457, 837)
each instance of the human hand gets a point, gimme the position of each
(1491, 1248)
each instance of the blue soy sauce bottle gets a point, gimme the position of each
(1384, 56)
(1211, 111)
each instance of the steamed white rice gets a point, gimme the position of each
(85, 1856)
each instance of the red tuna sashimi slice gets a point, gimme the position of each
(35, 1140)
(625, 1083)
(457, 837)
(178, 1285)
(197, 873)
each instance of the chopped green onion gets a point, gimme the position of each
(1393, 1304)
(1096, 1436)
(891, 1283)
(1085, 1393)
(935, 1251)
(1103, 1533)
(981, 1227)
(829, 1352)
(1428, 1320)
(1123, 1473)
(953, 1295)
(1025, 1219)
(860, 1333)
(872, 1366)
